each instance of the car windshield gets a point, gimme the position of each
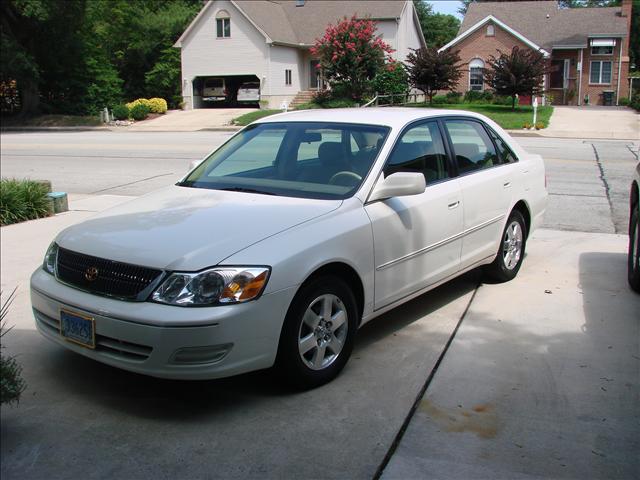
(295, 159)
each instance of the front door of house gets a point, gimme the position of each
(314, 75)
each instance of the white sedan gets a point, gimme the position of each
(280, 244)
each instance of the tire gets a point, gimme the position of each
(633, 263)
(510, 255)
(313, 350)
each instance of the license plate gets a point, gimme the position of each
(78, 328)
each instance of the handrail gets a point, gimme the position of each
(374, 99)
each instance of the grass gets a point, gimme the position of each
(501, 114)
(22, 200)
(247, 118)
(53, 121)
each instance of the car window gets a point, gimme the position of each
(214, 83)
(260, 151)
(472, 146)
(506, 154)
(322, 160)
(420, 149)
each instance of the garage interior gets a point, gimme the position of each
(232, 84)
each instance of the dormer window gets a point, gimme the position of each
(491, 31)
(223, 24)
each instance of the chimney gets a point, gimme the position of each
(626, 9)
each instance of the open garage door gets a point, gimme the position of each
(222, 91)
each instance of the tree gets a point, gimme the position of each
(438, 29)
(562, 3)
(520, 72)
(430, 70)
(392, 80)
(351, 55)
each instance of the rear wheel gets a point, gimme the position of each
(634, 249)
(318, 333)
(511, 253)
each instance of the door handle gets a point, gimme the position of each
(506, 184)
(454, 205)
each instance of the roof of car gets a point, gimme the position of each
(395, 117)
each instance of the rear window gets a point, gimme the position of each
(214, 83)
(250, 86)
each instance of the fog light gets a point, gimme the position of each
(201, 355)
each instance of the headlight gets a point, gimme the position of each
(50, 259)
(222, 285)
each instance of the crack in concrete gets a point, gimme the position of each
(132, 183)
(606, 187)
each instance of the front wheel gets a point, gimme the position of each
(634, 250)
(511, 253)
(318, 333)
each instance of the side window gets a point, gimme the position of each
(420, 149)
(472, 146)
(506, 154)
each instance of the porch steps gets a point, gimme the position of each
(303, 96)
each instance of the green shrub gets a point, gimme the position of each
(340, 103)
(503, 100)
(440, 99)
(140, 111)
(392, 79)
(624, 102)
(473, 96)
(454, 97)
(22, 200)
(11, 382)
(635, 102)
(322, 97)
(157, 105)
(121, 112)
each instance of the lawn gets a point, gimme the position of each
(501, 114)
(247, 118)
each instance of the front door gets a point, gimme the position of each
(417, 238)
(315, 82)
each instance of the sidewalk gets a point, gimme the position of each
(618, 123)
(543, 377)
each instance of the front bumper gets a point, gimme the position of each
(167, 341)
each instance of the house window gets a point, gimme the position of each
(287, 77)
(223, 24)
(476, 74)
(601, 50)
(491, 30)
(600, 72)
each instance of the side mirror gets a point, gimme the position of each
(398, 184)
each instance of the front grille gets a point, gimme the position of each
(104, 277)
(113, 347)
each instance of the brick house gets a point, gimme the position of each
(587, 48)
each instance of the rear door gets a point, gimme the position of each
(417, 238)
(486, 184)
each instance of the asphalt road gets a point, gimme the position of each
(588, 180)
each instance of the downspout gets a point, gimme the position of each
(580, 78)
(619, 73)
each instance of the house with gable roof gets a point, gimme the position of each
(588, 48)
(268, 42)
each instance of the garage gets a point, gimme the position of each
(221, 91)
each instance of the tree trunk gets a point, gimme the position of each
(513, 102)
(29, 97)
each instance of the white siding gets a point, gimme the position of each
(203, 54)
(285, 58)
(408, 33)
(388, 29)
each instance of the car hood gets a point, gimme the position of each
(180, 228)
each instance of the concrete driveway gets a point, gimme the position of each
(190, 120)
(619, 123)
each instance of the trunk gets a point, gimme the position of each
(29, 97)
(431, 94)
(513, 102)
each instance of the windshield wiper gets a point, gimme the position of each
(246, 190)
